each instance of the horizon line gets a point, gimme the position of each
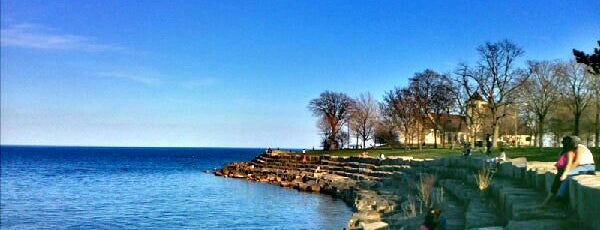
(114, 146)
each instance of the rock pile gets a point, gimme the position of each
(388, 194)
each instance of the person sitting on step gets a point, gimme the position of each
(580, 161)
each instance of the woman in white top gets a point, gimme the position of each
(580, 161)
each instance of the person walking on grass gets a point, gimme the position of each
(579, 161)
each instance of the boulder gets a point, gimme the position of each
(588, 189)
(489, 228)
(374, 226)
(544, 224)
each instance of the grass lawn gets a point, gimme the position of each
(549, 154)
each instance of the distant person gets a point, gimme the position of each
(317, 174)
(466, 149)
(364, 154)
(579, 161)
(303, 151)
(502, 157)
(488, 145)
(560, 165)
(304, 158)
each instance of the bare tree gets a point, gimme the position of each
(363, 117)
(431, 92)
(592, 61)
(400, 110)
(496, 78)
(385, 130)
(440, 105)
(578, 89)
(541, 92)
(333, 107)
(464, 93)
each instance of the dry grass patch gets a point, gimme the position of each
(409, 207)
(483, 178)
(426, 183)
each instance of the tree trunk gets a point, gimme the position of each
(495, 126)
(406, 138)
(435, 138)
(471, 138)
(419, 136)
(332, 142)
(540, 132)
(496, 135)
(577, 118)
(444, 138)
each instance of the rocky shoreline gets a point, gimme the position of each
(395, 193)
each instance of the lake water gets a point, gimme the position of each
(148, 188)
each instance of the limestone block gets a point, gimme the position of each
(505, 169)
(374, 226)
(315, 188)
(520, 161)
(549, 178)
(518, 172)
(574, 187)
(478, 216)
(519, 165)
(367, 216)
(477, 163)
(540, 179)
(516, 203)
(529, 176)
(543, 224)
(588, 197)
(489, 228)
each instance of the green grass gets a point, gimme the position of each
(425, 153)
(548, 154)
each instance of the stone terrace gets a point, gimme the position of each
(380, 191)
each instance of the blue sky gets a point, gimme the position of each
(240, 73)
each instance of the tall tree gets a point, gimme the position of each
(592, 61)
(385, 130)
(363, 117)
(400, 110)
(333, 107)
(431, 92)
(541, 91)
(578, 91)
(496, 78)
(440, 105)
(464, 93)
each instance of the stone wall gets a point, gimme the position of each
(377, 190)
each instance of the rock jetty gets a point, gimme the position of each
(396, 193)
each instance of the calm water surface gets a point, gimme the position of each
(148, 188)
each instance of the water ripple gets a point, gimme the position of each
(110, 188)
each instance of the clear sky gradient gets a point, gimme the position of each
(240, 73)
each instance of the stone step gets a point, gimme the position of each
(477, 213)
(520, 202)
(545, 224)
